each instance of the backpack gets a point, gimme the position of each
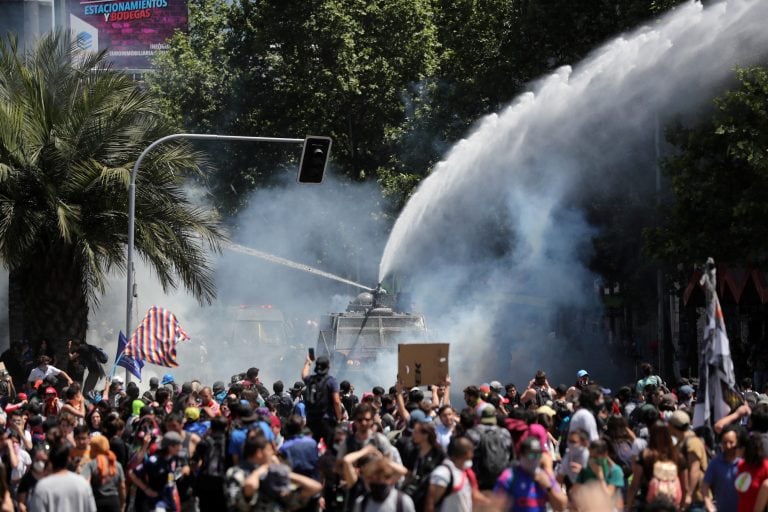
(316, 395)
(214, 464)
(664, 483)
(542, 396)
(491, 456)
(99, 354)
(284, 406)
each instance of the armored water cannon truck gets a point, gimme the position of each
(374, 323)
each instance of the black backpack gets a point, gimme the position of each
(284, 405)
(491, 456)
(542, 396)
(214, 464)
(316, 395)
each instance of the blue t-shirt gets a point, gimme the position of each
(301, 454)
(238, 436)
(524, 494)
(721, 477)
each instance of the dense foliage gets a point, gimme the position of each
(719, 178)
(70, 131)
(394, 82)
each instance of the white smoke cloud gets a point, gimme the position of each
(496, 232)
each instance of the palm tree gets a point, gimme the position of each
(70, 130)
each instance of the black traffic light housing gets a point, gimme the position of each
(314, 158)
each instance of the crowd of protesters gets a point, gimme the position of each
(317, 445)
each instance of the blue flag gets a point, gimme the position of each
(129, 363)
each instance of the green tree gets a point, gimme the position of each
(70, 130)
(344, 68)
(489, 52)
(719, 179)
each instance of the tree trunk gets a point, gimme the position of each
(46, 301)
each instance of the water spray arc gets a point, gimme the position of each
(294, 265)
(504, 212)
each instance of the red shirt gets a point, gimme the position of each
(748, 480)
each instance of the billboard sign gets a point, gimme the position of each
(131, 31)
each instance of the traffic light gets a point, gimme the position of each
(314, 159)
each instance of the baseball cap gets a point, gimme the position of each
(496, 386)
(167, 379)
(192, 413)
(582, 373)
(488, 415)
(298, 385)
(545, 409)
(50, 391)
(531, 444)
(680, 420)
(686, 390)
(418, 416)
(116, 379)
(218, 387)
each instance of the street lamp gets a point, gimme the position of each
(132, 195)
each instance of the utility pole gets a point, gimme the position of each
(130, 284)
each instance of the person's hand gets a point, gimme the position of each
(687, 501)
(744, 410)
(151, 493)
(542, 478)
(575, 467)
(447, 380)
(531, 383)
(399, 386)
(186, 470)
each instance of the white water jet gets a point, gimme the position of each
(525, 168)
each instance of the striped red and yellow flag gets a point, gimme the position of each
(154, 340)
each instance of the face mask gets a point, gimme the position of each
(576, 450)
(379, 492)
(219, 397)
(467, 464)
(38, 466)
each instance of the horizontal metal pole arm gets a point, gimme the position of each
(132, 200)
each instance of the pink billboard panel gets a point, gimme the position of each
(131, 31)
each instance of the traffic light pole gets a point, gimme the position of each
(132, 203)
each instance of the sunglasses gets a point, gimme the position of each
(533, 455)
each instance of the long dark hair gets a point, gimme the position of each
(660, 446)
(429, 430)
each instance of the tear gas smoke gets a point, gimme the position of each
(329, 228)
(501, 216)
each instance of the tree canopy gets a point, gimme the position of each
(719, 179)
(394, 82)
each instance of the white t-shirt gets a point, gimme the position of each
(584, 420)
(38, 374)
(460, 497)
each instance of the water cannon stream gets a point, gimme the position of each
(297, 266)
